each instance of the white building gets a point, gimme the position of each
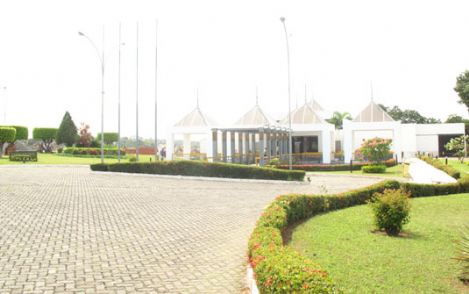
(255, 137)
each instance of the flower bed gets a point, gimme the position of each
(202, 169)
(72, 151)
(280, 269)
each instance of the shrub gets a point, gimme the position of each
(374, 169)
(47, 136)
(274, 162)
(99, 167)
(108, 152)
(109, 138)
(376, 149)
(334, 167)
(206, 169)
(391, 209)
(133, 159)
(441, 166)
(21, 132)
(463, 255)
(7, 135)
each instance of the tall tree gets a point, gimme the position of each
(462, 88)
(337, 119)
(67, 132)
(454, 118)
(409, 116)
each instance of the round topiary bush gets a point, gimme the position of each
(7, 135)
(374, 169)
(391, 210)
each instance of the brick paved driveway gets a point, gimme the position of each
(65, 229)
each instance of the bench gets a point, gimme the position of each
(23, 156)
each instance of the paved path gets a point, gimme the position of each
(423, 173)
(64, 229)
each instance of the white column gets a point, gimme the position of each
(215, 145)
(261, 147)
(187, 147)
(232, 146)
(348, 142)
(224, 146)
(169, 146)
(326, 146)
(209, 145)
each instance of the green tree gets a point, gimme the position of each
(47, 136)
(7, 135)
(454, 118)
(109, 138)
(67, 132)
(462, 88)
(409, 116)
(457, 145)
(338, 118)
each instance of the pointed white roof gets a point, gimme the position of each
(373, 113)
(315, 105)
(255, 117)
(304, 115)
(195, 118)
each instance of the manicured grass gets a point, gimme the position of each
(454, 162)
(58, 159)
(361, 261)
(399, 170)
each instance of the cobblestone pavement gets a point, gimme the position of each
(66, 229)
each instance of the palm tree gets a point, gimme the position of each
(337, 119)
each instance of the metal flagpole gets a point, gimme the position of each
(156, 91)
(136, 103)
(119, 101)
(282, 19)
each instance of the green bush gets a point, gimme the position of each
(334, 167)
(391, 210)
(374, 169)
(7, 135)
(274, 162)
(21, 132)
(441, 166)
(271, 261)
(99, 167)
(133, 159)
(96, 152)
(206, 169)
(109, 138)
(463, 255)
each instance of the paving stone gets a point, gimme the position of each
(66, 229)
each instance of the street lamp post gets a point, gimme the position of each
(119, 101)
(156, 92)
(282, 19)
(136, 102)
(101, 59)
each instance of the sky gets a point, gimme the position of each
(412, 51)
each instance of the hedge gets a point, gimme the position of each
(92, 151)
(203, 169)
(333, 167)
(441, 166)
(280, 269)
(21, 132)
(374, 169)
(109, 138)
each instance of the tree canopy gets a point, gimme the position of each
(7, 135)
(409, 116)
(67, 132)
(337, 119)
(47, 136)
(21, 132)
(462, 88)
(109, 138)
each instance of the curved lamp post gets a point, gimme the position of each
(101, 59)
(282, 19)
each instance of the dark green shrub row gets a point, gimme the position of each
(374, 169)
(205, 169)
(278, 269)
(334, 167)
(441, 166)
(92, 151)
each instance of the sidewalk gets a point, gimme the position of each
(423, 173)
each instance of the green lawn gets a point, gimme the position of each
(360, 261)
(454, 162)
(58, 159)
(399, 170)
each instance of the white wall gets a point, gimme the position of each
(427, 143)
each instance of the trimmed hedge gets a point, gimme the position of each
(278, 269)
(92, 151)
(441, 166)
(334, 167)
(21, 132)
(374, 169)
(203, 169)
